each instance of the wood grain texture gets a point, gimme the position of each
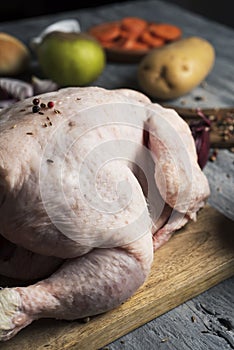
(196, 258)
(210, 316)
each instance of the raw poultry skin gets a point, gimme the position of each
(89, 190)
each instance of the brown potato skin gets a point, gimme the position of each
(14, 55)
(175, 69)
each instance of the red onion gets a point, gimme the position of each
(201, 133)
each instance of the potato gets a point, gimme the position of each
(14, 55)
(175, 69)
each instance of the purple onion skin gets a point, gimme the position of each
(201, 134)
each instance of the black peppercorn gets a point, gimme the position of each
(36, 101)
(36, 109)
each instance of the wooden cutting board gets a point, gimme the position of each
(196, 258)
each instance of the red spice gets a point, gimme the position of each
(50, 104)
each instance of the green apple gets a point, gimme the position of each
(71, 59)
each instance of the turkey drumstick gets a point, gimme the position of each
(84, 286)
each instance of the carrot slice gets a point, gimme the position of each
(133, 25)
(165, 31)
(132, 44)
(152, 40)
(108, 44)
(134, 33)
(106, 31)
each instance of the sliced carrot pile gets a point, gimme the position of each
(133, 33)
(133, 26)
(151, 40)
(165, 31)
(106, 31)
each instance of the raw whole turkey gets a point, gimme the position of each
(91, 184)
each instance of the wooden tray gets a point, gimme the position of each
(196, 258)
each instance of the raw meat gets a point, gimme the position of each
(89, 189)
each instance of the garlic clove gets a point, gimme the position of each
(43, 85)
(15, 88)
(66, 25)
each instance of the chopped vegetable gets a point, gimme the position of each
(106, 31)
(165, 31)
(133, 25)
(151, 40)
(134, 33)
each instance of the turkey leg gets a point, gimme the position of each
(83, 286)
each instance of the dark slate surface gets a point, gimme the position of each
(212, 311)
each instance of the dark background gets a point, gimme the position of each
(219, 11)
